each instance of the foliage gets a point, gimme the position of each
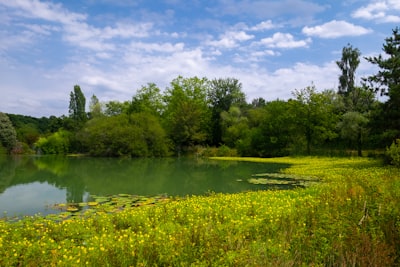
(388, 77)
(221, 151)
(77, 105)
(272, 129)
(56, 143)
(348, 65)
(393, 152)
(114, 108)
(314, 115)
(350, 219)
(235, 126)
(187, 116)
(8, 135)
(136, 135)
(95, 107)
(387, 80)
(148, 99)
(43, 125)
(223, 94)
(353, 127)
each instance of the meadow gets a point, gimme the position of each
(349, 218)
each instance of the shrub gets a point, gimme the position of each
(393, 153)
(56, 143)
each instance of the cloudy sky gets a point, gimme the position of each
(113, 47)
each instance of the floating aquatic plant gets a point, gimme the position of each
(104, 204)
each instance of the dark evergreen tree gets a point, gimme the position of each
(387, 81)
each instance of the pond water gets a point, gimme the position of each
(30, 184)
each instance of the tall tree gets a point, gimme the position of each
(276, 129)
(186, 113)
(223, 94)
(113, 108)
(147, 99)
(348, 66)
(77, 105)
(95, 108)
(357, 111)
(8, 135)
(387, 81)
(314, 115)
(235, 126)
(353, 127)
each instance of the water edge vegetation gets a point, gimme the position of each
(351, 217)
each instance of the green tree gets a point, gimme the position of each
(8, 135)
(148, 99)
(235, 127)
(95, 108)
(77, 106)
(258, 102)
(28, 134)
(136, 135)
(357, 100)
(315, 116)
(273, 134)
(348, 66)
(113, 108)
(353, 127)
(387, 81)
(357, 109)
(223, 94)
(56, 143)
(187, 115)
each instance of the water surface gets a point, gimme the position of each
(29, 184)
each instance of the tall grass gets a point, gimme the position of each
(351, 218)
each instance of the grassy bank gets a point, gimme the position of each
(350, 218)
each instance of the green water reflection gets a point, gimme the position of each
(28, 183)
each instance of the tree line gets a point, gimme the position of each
(212, 117)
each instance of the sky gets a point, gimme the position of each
(111, 48)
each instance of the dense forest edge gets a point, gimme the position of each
(203, 117)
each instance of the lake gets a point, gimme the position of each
(30, 184)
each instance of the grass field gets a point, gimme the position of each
(350, 218)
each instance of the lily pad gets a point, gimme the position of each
(72, 208)
(105, 204)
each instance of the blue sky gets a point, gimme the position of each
(111, 48)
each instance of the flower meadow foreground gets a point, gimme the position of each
(349, 218)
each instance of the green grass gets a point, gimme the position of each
(350, 218)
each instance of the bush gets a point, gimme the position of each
(56, 143)
(393, 153)
(136, 135)
(222, 151)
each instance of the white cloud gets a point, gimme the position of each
(44, 10)
(41, 29)
(379, 11)
(230, 39)
(264, 25)
(117, 56)
(335, 29)
(155, 47)
(76, 30)
(284, 40)
(125, 30)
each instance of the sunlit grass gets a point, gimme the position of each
(350, 218)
